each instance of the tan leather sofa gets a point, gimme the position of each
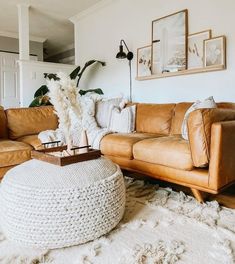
(18, 133)
(204, 163)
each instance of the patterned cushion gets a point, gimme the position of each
(103, 110)
(122, 121)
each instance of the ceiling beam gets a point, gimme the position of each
(16, 36)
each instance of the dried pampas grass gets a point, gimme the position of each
(64, 95)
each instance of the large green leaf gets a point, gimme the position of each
(36, 102)
(40, 97)
(98, 91)
(41, 91)
(40, 101)
(87, 64)
(73, 75)
(51, 76)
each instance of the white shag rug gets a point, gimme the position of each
(160, 226)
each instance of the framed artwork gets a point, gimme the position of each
(169, 43)
(215, 52)
(196, 49)
(144, 61)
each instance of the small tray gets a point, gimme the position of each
(45, 155)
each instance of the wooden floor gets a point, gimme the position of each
(226, 198)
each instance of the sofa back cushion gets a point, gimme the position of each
(30, 121)
(3, 123)
(199, 132)
(178, 117)
(154, 118)
(180, 110)
(226, 105)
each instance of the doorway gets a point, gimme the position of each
(9, 79)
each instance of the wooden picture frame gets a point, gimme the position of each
(215, 52)
(144, 61)
(196, 48)
(169, 43)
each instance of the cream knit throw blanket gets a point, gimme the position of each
(86, 121)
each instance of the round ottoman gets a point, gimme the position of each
(47, 206)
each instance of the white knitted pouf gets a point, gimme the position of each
(47, 206)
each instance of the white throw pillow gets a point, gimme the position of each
(103, 110)
(122, 121)
(86, 121)
(207, 103)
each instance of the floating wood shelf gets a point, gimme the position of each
(179, 73)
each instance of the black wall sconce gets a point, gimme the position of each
(129, 56)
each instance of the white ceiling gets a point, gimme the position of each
(48, 19)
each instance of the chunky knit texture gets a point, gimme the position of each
(47, 206)
(86, 121)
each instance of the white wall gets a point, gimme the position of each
(32, 77)
(98, 33)
(12, 45)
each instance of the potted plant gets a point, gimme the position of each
(41, 98)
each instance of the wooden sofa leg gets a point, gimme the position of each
(198, 195)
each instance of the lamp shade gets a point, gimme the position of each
(121, 54)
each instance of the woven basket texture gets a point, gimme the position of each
(47, 206)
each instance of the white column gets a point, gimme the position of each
(74, 20)
(23, 21)
(76, 43)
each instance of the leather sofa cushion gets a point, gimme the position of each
(179, 113)
(32, 140)
(199, 131)
(154, 118)
(13, 153)
(30, 121)
(171, 151)
(178, 117)
(226, 105)
(3, 123)
(4, 170)
(121, 144)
